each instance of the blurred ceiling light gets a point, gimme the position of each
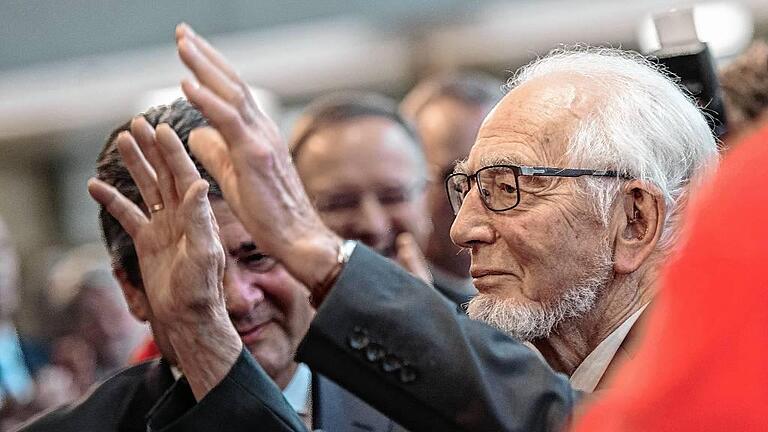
(268, 101)
(725, 26)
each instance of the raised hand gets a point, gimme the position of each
(246, 154)
(180, 255)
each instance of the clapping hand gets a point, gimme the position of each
(180, 255)
(250, 160)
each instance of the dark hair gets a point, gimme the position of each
(343, 107)
(182, 117)
(469, 88)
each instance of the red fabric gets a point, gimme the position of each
(146, 351)
(703, 363)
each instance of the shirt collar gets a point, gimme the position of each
(298, 390)
(589, 373)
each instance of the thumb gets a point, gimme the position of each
(209, 147)
(410, 257)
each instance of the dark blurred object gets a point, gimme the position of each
(745, 91)
(687, 57)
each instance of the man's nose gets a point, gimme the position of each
(374, 224)
(241, 294)
(471, 225)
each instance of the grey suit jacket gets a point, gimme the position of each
(403, 348)
(337, 410)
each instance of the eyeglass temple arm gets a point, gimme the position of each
(568, 172)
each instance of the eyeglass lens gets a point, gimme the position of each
(498, 188)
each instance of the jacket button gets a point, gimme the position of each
(359, 339)
(374, 352)
(407, 374)
(390, 363)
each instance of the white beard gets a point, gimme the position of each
(527, 322)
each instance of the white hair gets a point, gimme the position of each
(645, 126)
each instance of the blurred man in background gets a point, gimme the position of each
(447, 111)
(365, 172)
(92, 317)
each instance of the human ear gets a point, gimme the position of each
(135, 296)
(641, 222)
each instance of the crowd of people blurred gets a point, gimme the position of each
(91, 333)
(352, 342)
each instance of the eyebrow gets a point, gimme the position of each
(462, 166)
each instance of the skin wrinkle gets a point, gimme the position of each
(552, 241)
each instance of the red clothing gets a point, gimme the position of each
(703, 363)
(146, 351)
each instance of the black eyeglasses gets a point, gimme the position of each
(499, 185)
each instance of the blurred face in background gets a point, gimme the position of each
(106, 324)
(448, 129)
(8, 275)
(367, 179)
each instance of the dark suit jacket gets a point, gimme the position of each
(400, 346)
(147, 395)
(336, 410)
(146, 398)
(459, 299)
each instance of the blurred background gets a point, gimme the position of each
(71, 70)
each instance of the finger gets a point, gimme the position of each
(185, 31)
(176, 158)
(211, 76)
(410, 257)
(144, 134)
(210, 149)
(218, 112)
(121, 208)
(141, 171)
(198, 221)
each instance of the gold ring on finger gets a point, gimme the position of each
(154, 208)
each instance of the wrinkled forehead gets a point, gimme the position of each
(533, 124)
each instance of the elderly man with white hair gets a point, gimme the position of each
(568, 203)
(582, 172)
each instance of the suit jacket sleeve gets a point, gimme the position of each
(400, 346)
(245, 399)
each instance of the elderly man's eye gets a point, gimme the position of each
(507, 188)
